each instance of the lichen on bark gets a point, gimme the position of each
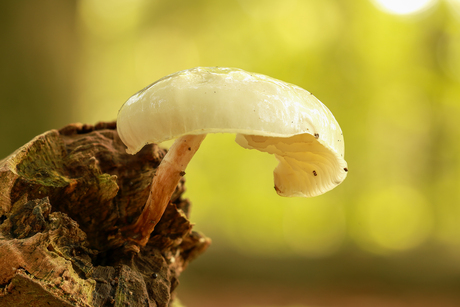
(64, 197)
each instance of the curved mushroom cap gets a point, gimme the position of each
(266, 114)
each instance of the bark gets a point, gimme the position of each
(64, 197)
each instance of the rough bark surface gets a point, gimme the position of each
(64, 197)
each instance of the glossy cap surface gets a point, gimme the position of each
(266, 114)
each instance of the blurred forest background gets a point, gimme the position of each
(388, 70)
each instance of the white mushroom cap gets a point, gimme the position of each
(266, 114)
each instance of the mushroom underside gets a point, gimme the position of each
(306, 167)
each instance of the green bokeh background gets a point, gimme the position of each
(389, 235)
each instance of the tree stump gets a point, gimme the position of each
(63, 198)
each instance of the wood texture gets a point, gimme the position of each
(64, 197)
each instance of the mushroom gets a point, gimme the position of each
(265, 114)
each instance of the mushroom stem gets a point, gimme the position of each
(164, 183)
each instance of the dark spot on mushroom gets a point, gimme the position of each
(277, 190)
(345, 169)
(189, 148)
(154, 275)
(314, 173)
(182, 173)
(316, 135)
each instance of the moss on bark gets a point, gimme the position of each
(63, 198)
